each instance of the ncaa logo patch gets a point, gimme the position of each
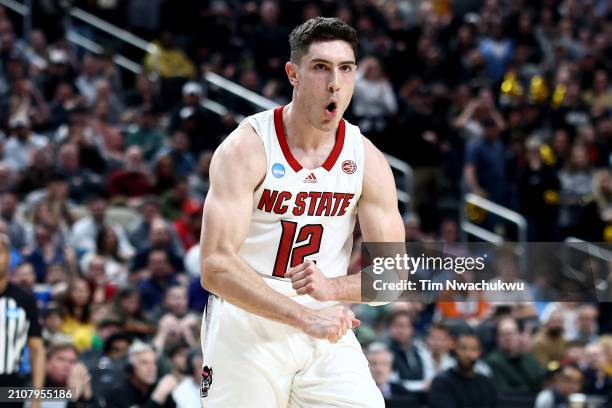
(349, 166)
(207, 373)
(278, 170)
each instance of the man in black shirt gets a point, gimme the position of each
(18, 325)
(461, 386)
(139, 389)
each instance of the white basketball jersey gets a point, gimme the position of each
(301, 214)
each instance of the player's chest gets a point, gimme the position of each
(307, 193)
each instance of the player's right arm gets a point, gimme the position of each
(237, 168)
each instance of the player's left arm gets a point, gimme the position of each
(380, 221)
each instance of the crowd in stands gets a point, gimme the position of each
(103, 177)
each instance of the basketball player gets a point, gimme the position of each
(286, 187)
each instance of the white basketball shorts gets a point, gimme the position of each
(253, 362)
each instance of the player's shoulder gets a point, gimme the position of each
(242, 153)
(243, 146)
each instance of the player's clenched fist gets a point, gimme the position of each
(307, 279)
(330, 323)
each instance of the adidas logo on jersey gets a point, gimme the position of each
(311, 178)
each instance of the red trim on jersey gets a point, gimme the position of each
(282, 141)
(335, 153)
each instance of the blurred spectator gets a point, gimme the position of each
(8, 175)
(439, 343)
(176, 322)
(84, 232)
(568, 380)
(24, 277)
(188, 226)
(269, 41)
(101, 277)
(107, 367)
(599, 97)
(507, 270)
(381, 361)
(202, 127)
(603, 195)
(159, 238)
(596, 380)
(126, 309)
(46, 251)
(139, 230)
(161, 275)
(569, 314)
(514, 370)
(165, 177)
(142, 98)
(86, 82)
(8, 213)
(28, 104)
(462, 386)
(146, 134)
(114, 263)
(587, 329)
(139, 388)
(539, 194)
(178, 150)
(22, 143)
(167, 60)
(549, 344)
(77, 314)
(82, 181)
(478, 114)
(80, 132)
(198, 181)
(36, 49)
(496, 49)
(52, 326)
(574, 354)
(576, 200)
(60, 71)
(131, 182)
(412, 363)
(65, 99)
(38, 173)
(485, 165)
(175, 200)
(108, 105)
(108, 135)
(373, 98)
(64, 370)
(51, 206)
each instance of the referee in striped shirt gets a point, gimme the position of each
(18, 325)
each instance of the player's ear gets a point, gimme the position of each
(292, 73)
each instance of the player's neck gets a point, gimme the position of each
(302, 134)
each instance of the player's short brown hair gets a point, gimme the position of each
(320, 29)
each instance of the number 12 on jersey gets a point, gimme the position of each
(308, 242)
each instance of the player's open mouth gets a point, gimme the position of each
(330, 109)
